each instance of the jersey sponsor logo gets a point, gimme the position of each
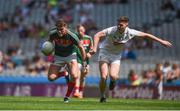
(121, 38)
(63, 42)
(85, 43)
(117, 38)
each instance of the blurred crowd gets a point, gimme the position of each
(54, 9)
(163, 72)
(15, 64)
(17, 21)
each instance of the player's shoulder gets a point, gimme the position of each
(110, 29)
(87, 36)
(131, 30)
(71, 32)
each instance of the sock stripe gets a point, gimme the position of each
(70, 88)
(81, 88)
(60, 74)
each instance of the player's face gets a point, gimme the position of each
(81, 31)
(62, 31)
(122, 25)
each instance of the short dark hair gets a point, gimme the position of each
(79, 25)
(123, 18)
(61, 23)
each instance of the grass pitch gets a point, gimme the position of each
(49, 103)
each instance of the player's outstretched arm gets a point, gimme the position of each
(161, 41)
(97, 37)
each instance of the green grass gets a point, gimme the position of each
(49, 103)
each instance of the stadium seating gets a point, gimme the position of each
(140, 12)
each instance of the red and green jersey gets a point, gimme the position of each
(87, 43)
(65, 45)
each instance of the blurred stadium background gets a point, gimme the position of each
(24, 26)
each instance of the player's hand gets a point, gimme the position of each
(88, 55)
(84, 67)
(84, 64)
(166, 43)
(92, 51)
(45, 53)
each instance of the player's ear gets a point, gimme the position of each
(127, 24)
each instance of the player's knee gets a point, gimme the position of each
(51, 77)
(74, 76)
(103, 77)
(114, 77)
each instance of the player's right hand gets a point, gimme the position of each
(84, 67)
(88, 55)
(92, 51)
(45, 53)
(166, 43)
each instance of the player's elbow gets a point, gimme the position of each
(99, 35)
(146, 35)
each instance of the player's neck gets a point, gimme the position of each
(121, 31)
(81, 37)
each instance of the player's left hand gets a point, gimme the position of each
(88, 55)
(84, 67)
(84, 70)
(92, 51)
(166, 43)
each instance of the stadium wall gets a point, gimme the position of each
(145, 92)
(59, 90)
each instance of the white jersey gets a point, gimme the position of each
(112, 34)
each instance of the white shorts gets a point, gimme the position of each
(80, 66)
(109, 58)
(61, 61)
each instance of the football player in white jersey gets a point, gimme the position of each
(110, 50)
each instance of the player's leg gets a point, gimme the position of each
(54, 69)
(82, 81)
(114, 73)
(65, 71)
(76, 88)
(73, 67)
(66, 76)
(53, 72)
(103, 66)
(160, 90)
(104, 61)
